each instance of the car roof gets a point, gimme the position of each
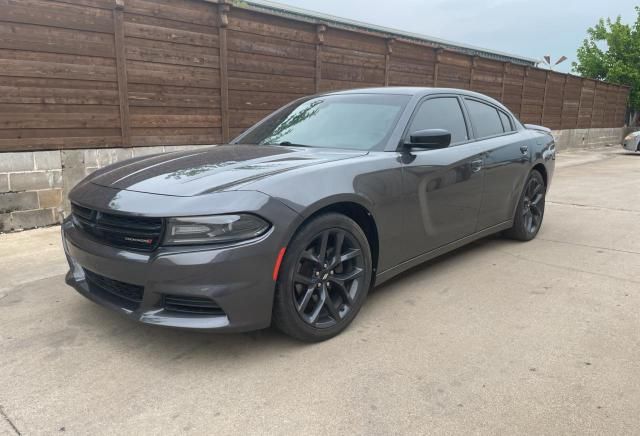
(415, 91)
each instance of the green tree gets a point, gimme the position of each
(611, 52)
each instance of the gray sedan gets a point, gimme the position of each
(296, 219)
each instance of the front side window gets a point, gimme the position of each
(485, 119)
(352, 121)
(441, 113)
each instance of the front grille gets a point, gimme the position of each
(192, 305)
(123, 294)
(136, 233)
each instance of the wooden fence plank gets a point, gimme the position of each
(54, 14)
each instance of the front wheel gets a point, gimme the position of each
(324, 280)
(530, 210)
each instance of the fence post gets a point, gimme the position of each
(436, 67)
(223, 11)
(505, 70)
(593, 104)
(387, 60)
(474, 65)
(622, 91)
(615, 110)
(626, 95)
(603, 121)
(564, 89)
(623, 94)
(524, 83)
(320, 32)
(580, 102)
(121, 71)
(544, 97)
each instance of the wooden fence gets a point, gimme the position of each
(104, 73)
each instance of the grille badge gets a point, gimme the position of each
(139, 240)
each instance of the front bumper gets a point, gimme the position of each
(238, 278)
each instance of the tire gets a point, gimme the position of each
(530, 211)
(318, 294)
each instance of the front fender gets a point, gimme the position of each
(360, 200)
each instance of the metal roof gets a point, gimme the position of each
(299, 14)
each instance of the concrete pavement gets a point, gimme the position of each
(496, 338)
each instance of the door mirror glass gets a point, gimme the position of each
(430, 138)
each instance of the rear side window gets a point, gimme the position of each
(485, 119)
(506, 122)
(441, 113)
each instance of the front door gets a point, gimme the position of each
(443, 186)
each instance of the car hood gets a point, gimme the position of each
(211, 169)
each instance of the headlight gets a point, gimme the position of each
(214, 229)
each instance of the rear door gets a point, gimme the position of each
(443, 187)
(506, 160)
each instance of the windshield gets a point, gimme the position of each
(353, 121)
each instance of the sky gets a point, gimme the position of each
(521, 27)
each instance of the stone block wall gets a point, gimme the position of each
(31, 188)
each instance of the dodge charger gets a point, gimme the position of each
(295, 220)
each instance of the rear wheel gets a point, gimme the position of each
(530, 211)
(324, 280)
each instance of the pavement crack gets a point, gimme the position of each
(595, 247)
(6, 418)
(588, 206)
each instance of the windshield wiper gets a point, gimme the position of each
(291, 144)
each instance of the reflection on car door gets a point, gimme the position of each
(506, 157)
(443, 186)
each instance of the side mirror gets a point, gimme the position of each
(430, 138)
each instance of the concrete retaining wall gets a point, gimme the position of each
(588, 138)
(34, 185)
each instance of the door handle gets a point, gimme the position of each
(476, 165)
(524, 149)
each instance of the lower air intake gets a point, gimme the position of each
(192, 305)
(123, 294)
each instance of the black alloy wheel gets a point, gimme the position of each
(533, 206)
(330, 272)
(530, 211)
(325, 278)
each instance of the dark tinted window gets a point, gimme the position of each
(506, 122)
(441, 113)
(357, 121)
(485, 119)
